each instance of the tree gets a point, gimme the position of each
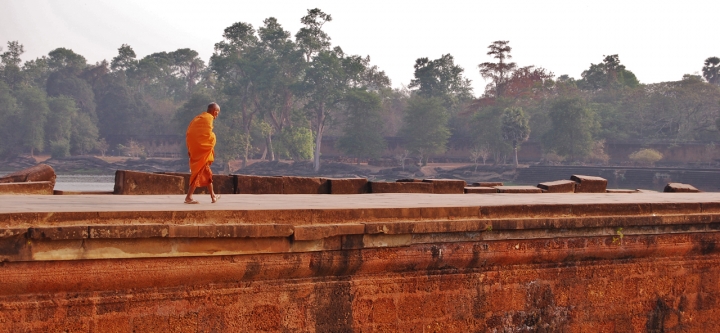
(10, 70)
(515, 128)
(65, 59)
(34, 110)
(65, 83)
(125, 60)
(608, 74)
(363, 126)
(59, 120)
(573, 125)
(425, 128)
(84, 135)
(441, 78)
(277, 94)
(498, 72)
(711, 70)
(487, 131)
(8, 119)
(237, 61)
(328, 78)
(311, 38)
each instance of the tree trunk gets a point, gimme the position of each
(268, 145)
(318, 139)
(318, 142)
(515, 151)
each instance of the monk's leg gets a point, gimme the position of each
(191, 190)
(213, 197)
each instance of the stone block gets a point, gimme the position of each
(480, 189)
(38, 173)
(390, 187)
(245, 230)
(558, 186)
(258, 185)
(487, 184)
(680, 187)
(58, 233)
(144, 183)
(518, 189)
(305, 185)
(409, 180)
(589, 184)
(222, 184)
(348, 186)
(447, 186)
(128, 231)
(312, 232)
(27, 188)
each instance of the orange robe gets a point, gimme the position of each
(200, 141)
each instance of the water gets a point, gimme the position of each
(84, 183)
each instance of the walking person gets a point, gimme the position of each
(200, 141)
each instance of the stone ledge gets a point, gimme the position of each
(27, 188)
(158, 240)
(480, 189)
(589, 184)
(447, 186)
(558, 186)
(144, 183)
(401, 187)
(246, 184)
(517, 189)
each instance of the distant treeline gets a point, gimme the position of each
(283, 92)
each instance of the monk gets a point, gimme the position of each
(200, 141)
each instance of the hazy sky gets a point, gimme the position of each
(657, 40)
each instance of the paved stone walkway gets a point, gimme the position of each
(231, 202)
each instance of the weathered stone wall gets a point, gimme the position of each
(632, 267)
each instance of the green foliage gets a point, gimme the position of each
(10, 70)
(487, 131)
(646, 157)
(59, 125)
(498, 72)
(64, 83)
(363, 127)
(33, 111)
(230, 142)
(126, 59)
(573, 125)
(296, 143)
(197, 104)
(425, 128)
(84, 136)
(515, 127)
(711, 70)
(122, 111)
(66, 60)
(60, 148)
(8, 119)
(441, 78)
(608, 74)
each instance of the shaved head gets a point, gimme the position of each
(213, 106)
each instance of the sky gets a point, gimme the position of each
(657, 40)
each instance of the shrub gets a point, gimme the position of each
(646, 157)
(597, 154)
(552, 158)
